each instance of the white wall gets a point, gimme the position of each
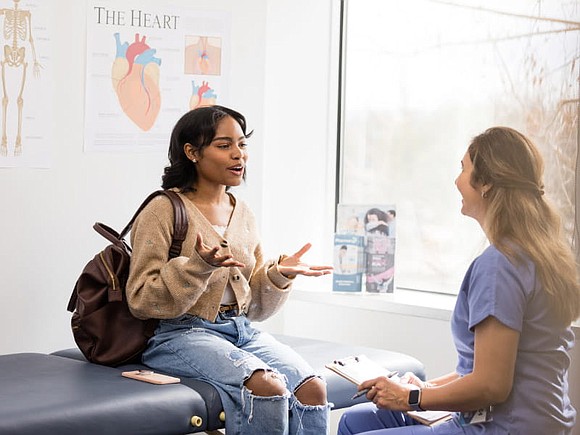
(300, 98)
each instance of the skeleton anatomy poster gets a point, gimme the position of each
(147, 64)
(25, 69)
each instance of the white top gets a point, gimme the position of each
(229, 297)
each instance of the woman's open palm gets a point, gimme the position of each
(293, 265)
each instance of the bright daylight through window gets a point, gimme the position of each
(419, 79)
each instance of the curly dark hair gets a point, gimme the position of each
(198, 128)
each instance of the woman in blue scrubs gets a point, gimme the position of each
(511, 322)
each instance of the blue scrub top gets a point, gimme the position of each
(539, 402)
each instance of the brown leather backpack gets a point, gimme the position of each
(103, 327)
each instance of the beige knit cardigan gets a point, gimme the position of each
(162, 289)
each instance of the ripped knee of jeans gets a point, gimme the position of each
(266, 383)
(311, 391)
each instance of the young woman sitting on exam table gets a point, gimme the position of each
(207, 298)
(511, 322)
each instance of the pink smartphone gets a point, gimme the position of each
(151, 377)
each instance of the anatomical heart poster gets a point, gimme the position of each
(149, 62)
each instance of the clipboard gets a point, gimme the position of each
(358, 369)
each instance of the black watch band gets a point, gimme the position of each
(415, 399)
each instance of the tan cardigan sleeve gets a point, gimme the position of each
(158, 288)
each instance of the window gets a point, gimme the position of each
(419, 79)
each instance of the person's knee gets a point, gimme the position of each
(312, 392)
(266, 383)
(342, 426)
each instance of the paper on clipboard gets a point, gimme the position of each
(358, 369)
(431, 418)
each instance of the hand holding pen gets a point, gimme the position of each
(360, 393)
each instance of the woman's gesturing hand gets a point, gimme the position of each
(210, 256)
(292, 265)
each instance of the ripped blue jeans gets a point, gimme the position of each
(225, 353)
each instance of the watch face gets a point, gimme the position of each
(414, 397)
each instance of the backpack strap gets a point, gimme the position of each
(107, 232)
(180, 224)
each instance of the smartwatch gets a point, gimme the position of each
(415, 399)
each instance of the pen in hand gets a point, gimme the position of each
(360, 393)
(366, 390)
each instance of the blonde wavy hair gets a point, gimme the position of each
(518, 216)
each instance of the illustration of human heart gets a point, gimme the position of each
(201, 95)
(135, 76)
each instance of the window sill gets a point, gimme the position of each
(405, 302)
